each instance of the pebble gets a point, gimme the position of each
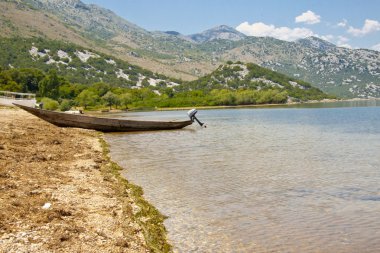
(35, 192)
(46, 206)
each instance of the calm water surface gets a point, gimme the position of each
(263, 180)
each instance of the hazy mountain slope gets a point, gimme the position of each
(341, 71)
(18, 19)
(222, 32)
(93, 21)
(24, 18)
(104, 25)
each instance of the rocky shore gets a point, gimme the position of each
(60, 192)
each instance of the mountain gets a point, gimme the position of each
(78, 64)
(93, 27)
(94, 21)
(84, 66)
(316, 43)
(222, 32)
(173, 33)
(340, 71)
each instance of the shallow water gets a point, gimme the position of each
(263, 180)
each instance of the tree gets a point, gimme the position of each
(49, 86)
(111, 99)
(87, 98)
(100, 88)
(145, 82)
(65, 105)
(50, 104)
(169, 92)
(125, 99)
(30, 79)
(11, 86)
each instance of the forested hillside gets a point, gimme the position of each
(67, 75)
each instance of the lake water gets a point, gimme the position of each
(263, 180)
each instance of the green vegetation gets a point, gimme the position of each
(65, 105)
(87, 98)
(55, 70)
(15, 52)
(252, 84)
(148, 217)
(111, 99)
(20, 80)
(205, 92)
(50, 104)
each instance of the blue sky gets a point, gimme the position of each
(350, 23)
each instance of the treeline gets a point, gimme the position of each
(58, 93)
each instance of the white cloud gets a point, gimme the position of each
(345, 45)
(329, 37)
(339, 41)
(369, 26)
(376, 47)
(308, 17)
(342, 23)
(283, 33)
(342, 40)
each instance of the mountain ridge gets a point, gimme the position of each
(222, 32)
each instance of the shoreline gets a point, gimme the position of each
(60, 191)
(310, 102)
(144, 213)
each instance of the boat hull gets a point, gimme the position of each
(102, 124)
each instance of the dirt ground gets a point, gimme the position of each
(54, 195)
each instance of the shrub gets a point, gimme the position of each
(65, 105)
(50, 104)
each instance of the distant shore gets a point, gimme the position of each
(295, 104)
(60, 191)
(268, 105)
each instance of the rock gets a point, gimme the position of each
(62, 212)
(98, 160)
(134, 54)
(46, 206)
(122, 242)
(34, 192)
(56, 142)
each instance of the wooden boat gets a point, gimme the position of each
(102, 124)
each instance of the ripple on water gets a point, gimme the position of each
(274, 180)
